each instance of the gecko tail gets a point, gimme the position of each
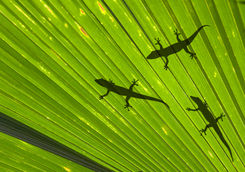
(155, 99)
(223, 140)
(228, 147)
(161, 101)
(165, 104)
(191, 38)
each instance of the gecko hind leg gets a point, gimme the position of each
(133, 84)
(220, 117)
(192, 55)
(102, 96)
(166, 63)
(177, 35)
(127, 106)
(205, 129)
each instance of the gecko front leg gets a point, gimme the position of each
(102, 96)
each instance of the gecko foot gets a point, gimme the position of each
(135, 82)
(176, 32)
(158, 41)
(222, 116)
(202, 131)
(206, 104)
(193, 55)
(127, 106)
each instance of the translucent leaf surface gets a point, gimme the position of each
(52, 51)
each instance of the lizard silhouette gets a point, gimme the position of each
(203, 108)
(111, 87)
(174, 48)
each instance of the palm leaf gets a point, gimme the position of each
(52, 52)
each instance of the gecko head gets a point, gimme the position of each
(102, 82)
(196, 100)
(153, 55)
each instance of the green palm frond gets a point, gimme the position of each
(52, 52)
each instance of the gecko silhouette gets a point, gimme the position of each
(111, 87)
(203, 108)
(174, 48)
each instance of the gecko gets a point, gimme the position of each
(203, 108)
(111, 87)
(174, 48)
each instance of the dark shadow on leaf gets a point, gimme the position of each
(241, 2)
(14, 128)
